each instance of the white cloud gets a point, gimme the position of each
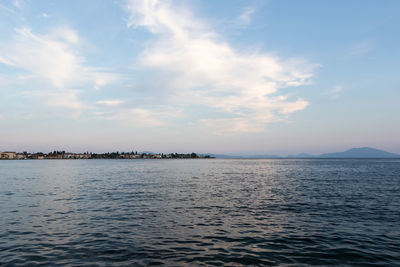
(137, 117)
(245, 17)
(203, 69)
(7, 9)
(109, 103)
(51, 64)
(102, 78)
(360, 49)
(231, 126)
(60, 100)
(17, 3)
(335, 92)
(5, 61)
(53, 57)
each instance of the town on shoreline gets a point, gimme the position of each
(89, 155)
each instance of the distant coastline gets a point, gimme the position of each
(7, 155)
(361, 152)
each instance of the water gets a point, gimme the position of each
(200, 212)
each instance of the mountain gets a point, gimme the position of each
(362, 152)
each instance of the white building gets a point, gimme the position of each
(8, 155)
(20, 156)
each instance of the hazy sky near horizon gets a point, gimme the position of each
(228, 76)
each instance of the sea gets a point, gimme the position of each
(200, 212)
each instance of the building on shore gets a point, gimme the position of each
(88, 155)
(8, 155)
(20, 156)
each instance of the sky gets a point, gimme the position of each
(229, 76)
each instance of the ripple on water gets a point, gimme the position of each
(200, 212)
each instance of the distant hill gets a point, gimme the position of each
(362, 152)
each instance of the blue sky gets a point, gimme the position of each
(256, 77)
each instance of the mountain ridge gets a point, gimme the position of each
(360, 152)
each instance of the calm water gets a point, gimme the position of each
(200, 212)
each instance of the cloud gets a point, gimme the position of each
(60, 100)
(199, 67)
(53, 67)
(360, 49)
(5, 61)
(53, 57)
(245, 17)
(137, 117)
(109, 103)
(17, 3)
(335, 92)
(7, 9)
(232, 126)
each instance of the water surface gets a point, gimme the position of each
(200, 212)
